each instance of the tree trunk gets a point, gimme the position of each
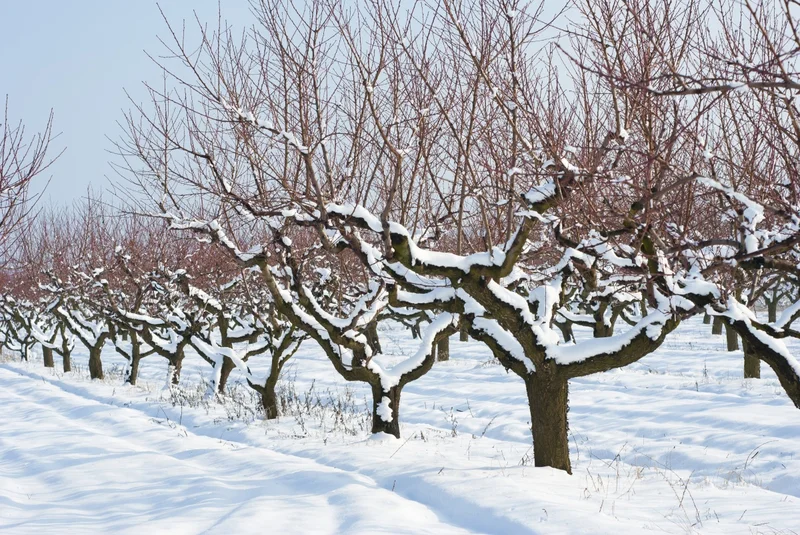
(601, 330)
(706, 319)
(785, 369)
(731, 338)
(177, 364)
(752, 364)
(95, 364)
(66, 354)
(772, 310)
(133, 372)
(136, 356)
(716, 327)
(443, 349)
(47, 355)
(385, 416)
(224, 373)
(464, 332)
(415, 333)
(269, 399)
(566, 330)
(548, 399)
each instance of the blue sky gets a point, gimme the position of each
(78, 57)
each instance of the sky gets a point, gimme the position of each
(78, 57)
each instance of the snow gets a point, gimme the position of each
(138, 474)
(385, 410)
(540, 193)
(566, 354)
(676, 443)
(204, 297)
(753, 214)
(506, 341)
(788, 316)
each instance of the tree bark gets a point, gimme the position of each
(463, 335)
(731, 338)
(66, 353)
(566, 330)
(716, 328)
(269, 399)
(548, 399)
(133, 372)
(95, 363)
(372, 337)
(177, 364)
(601, 330)
(752, 364)
(47, 355)
(772, 310)
(381, 422)
(136, 356)
(415, 332)
(706, 319)
(443, 349)
(225, 372)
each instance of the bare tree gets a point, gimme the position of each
(22, 158)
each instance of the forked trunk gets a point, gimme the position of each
(752, 364)
(443, 349)
(385, 410)
(95, 363)
(548, 398)
(47, 355)
(716, 327)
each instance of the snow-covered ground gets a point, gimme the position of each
(677, 443)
